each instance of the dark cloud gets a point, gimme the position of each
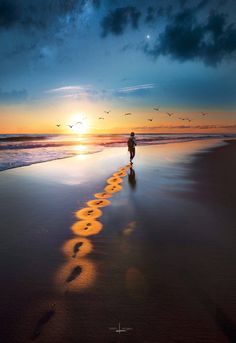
(151, 14)
(154, 13)
(37, 29)
(202, 4)
(96, 3)
(13, 96)
(8, 13)
(186, 38)
(41, 14)
(119, 19)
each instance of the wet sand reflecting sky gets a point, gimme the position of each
(160, 264)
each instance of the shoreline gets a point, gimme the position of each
(102, 147)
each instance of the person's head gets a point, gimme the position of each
(132, 134)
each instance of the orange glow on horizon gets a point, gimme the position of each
(43, 118)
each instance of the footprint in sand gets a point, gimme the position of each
(115, 180)
(82, 275)
(43, 321)
(103, 195)
(114, 188)
(120, 174)
(124, 169)
(98, 203)
(86, 228)
(88, 213)
(74, 274)
(77, 247)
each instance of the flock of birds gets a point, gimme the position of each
(169, 114)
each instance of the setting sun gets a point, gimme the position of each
(80, 123)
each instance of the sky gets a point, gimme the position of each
(67, 61)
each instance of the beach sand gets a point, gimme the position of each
(161, 265)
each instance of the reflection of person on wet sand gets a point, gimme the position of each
(131, 146)
(131, 178)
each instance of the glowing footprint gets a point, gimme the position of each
(77, 247)
(120, 174)
(98, 203)
(114, 188)
(88, 213)
(112, 180)
(103, 195)
(86, 228)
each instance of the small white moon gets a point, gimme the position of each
(148, 36)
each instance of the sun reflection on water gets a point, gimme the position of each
(81, 148)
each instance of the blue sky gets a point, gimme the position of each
(119, 54)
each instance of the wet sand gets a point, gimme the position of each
(161, 261)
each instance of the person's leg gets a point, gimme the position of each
(132, 153)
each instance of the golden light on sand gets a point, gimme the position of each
(120, 174)
(123, 169)
(86, 227)
(114, 179)
(76, 275)
(129, 228)
(103, 195)
(98, 203)
(88, 213)
(77, 247)
(136, 283)
(114, 188)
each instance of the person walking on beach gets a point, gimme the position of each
(131, 146)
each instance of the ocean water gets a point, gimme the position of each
(22, 150)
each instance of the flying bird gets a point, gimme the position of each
(156, 108)
(127, 114)
(150, 119)
(169, 114)
(71, 126)
(204, 114)
(100, 118)
(58, 125)
(107, 112)
(78, 122)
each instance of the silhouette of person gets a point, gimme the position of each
(131, 178)
(131, 146)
